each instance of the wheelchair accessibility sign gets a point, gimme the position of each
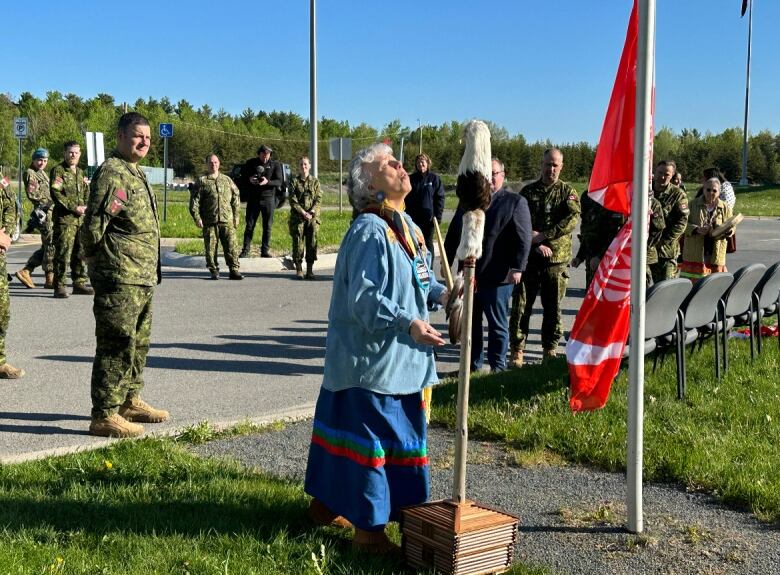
(166, 130)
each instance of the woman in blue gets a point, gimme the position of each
(368, 457)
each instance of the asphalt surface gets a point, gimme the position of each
(222, 351)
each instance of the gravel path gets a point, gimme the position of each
(571, 518)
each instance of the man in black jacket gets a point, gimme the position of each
(426, 200)
(505, 248)
(263, 177)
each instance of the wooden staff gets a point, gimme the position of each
(428, 391)
(443, 256)
(464, 377)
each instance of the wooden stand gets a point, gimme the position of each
(458, 536)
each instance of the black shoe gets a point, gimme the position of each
(235, 275)
(215, 275)
(60, 292)
(266, 255)
(244, 254)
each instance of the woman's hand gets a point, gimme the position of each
(422, 332)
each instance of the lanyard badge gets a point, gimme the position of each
(422, 274)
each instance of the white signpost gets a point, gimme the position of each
(96, 154)
(339, 149)
(20, 133)
(166, 132)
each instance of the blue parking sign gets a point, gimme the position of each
(166, 130)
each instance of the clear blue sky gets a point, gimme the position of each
(543, 69)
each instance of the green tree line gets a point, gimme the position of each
(57, 118)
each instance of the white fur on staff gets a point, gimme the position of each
(473, 187)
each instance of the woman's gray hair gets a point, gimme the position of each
(358, 178)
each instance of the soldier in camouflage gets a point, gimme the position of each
(69, 188)
(305, 200)
(121, 240)
(7, 222)
(598, 228)
(674, 203)
(36, 183)
(214, 206)
(555, 209)
(657, 224)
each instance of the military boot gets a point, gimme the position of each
(549, 354)
(516, 357)
(24, 277)
(299, 270)
(60, 292)
(309, 272)
(82, 289)
(114, 426)
(136, 409)
(235, 275)
(49, 281)
(8, 371)
(215, 275)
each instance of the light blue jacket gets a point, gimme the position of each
(375, 298)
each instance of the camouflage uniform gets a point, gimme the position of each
(121, 239)
(599, 227)
(654, 235)
(7, 221)
(36, 183)
(305, 196)
(674, 203)
(554, 211)
(68, 190)
(215, 201)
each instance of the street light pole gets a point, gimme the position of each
(419, 127)
(743, 181)
(313, 89)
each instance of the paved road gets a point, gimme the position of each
(221, 351)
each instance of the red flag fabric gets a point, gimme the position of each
(744, 7)
(613, 167)
(598, 337)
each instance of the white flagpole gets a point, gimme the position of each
(642, 162)
(743, 181)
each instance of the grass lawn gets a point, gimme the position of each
(724, 438)
(758, 200)
(150, 506)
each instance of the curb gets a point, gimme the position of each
(290, 415)
(170, 258)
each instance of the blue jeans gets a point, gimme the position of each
(494, 303)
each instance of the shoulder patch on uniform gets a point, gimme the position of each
(121, 194)
(572, 197)
(684, 206)
(4, 182)
(115, 207)
(57, 183)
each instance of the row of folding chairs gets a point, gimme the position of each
(679, 314)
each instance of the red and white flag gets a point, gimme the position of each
(598, 337)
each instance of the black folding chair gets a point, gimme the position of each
(699, 320)
(739, 306)
(767, 299)
(661, 318)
